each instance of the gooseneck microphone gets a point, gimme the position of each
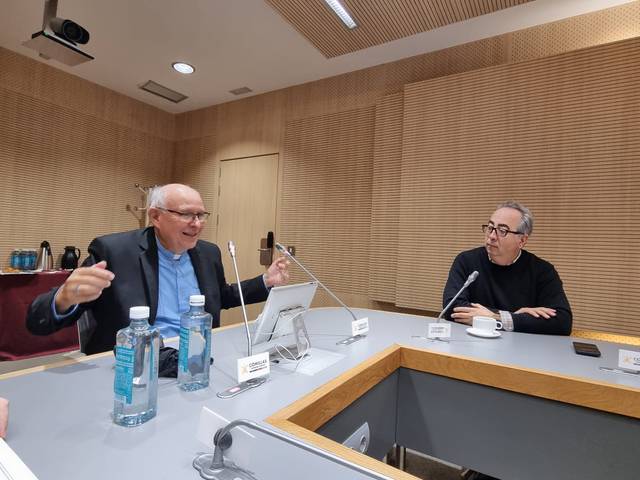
(287, 254)
(232, 252)
(470, 279)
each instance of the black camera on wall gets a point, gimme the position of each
(69, 30)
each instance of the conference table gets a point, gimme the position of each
(519, 406)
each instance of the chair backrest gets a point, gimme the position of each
(86, 325)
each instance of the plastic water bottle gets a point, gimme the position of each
(15, 259)
(195, 346)
(23, 259)
(136, 376)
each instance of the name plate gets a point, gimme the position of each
(439, 330)
(360, 326)
(253, 367)
(629, 360)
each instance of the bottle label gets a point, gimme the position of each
(123, 384)
(183, 350)
(208, 345)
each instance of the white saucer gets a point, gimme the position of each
(476, 332)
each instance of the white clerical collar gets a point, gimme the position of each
(165, 252)
(514, 260)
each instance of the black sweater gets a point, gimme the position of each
(529, 282)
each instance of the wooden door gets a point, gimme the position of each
(246, 212)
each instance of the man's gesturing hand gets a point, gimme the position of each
(83, 285)
(278, 272)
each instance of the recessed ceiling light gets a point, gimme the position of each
(183, 67)
(339, 10)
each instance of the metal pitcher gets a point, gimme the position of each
(45, 259)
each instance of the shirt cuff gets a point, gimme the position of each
(59, 317)
(507, 320)
(264, 281)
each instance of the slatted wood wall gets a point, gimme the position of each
(70, 154)
(195, 164)
(604, 26)
(385, 198)
(559, 134)
(326, 197)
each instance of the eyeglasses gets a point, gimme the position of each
(188, 216)
(501, 231)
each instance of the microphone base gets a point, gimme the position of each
(351, 339)
(227, 471)
(241, 387)
(443, 340)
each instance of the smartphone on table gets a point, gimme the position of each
(588, 349)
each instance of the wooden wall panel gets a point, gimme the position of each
(70, 154)
(40, 81)
(363, 88)
(196, 124)
(195, 164)
(326, 197)
(385, 198)
(559, 134)
(68, 176)
(587, 30)
(250, 128)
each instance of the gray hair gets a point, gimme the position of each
(156, 197)
(526, 222)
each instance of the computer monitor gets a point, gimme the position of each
(283, 305)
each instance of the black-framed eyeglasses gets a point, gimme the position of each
(188, 216)
(501, 231)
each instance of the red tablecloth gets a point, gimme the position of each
(16, 293)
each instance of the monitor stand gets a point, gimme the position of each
(299, 349)
(290, 352)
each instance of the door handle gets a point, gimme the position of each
(266, 249)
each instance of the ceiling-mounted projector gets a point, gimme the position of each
(69, 30)
(59, 37)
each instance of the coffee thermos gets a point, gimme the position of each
(70, 258)
(45, 260)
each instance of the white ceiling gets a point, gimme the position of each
(233, 43)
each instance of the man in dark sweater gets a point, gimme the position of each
(521, 290)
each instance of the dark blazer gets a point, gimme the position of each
(133, 258)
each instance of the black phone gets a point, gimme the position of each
(588, 349)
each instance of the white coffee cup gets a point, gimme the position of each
(487, 324)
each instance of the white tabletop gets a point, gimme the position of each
(61, 425)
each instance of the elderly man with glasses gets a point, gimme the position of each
(516, 287)
(160, 266)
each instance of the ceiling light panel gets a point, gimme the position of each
(342, 13)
